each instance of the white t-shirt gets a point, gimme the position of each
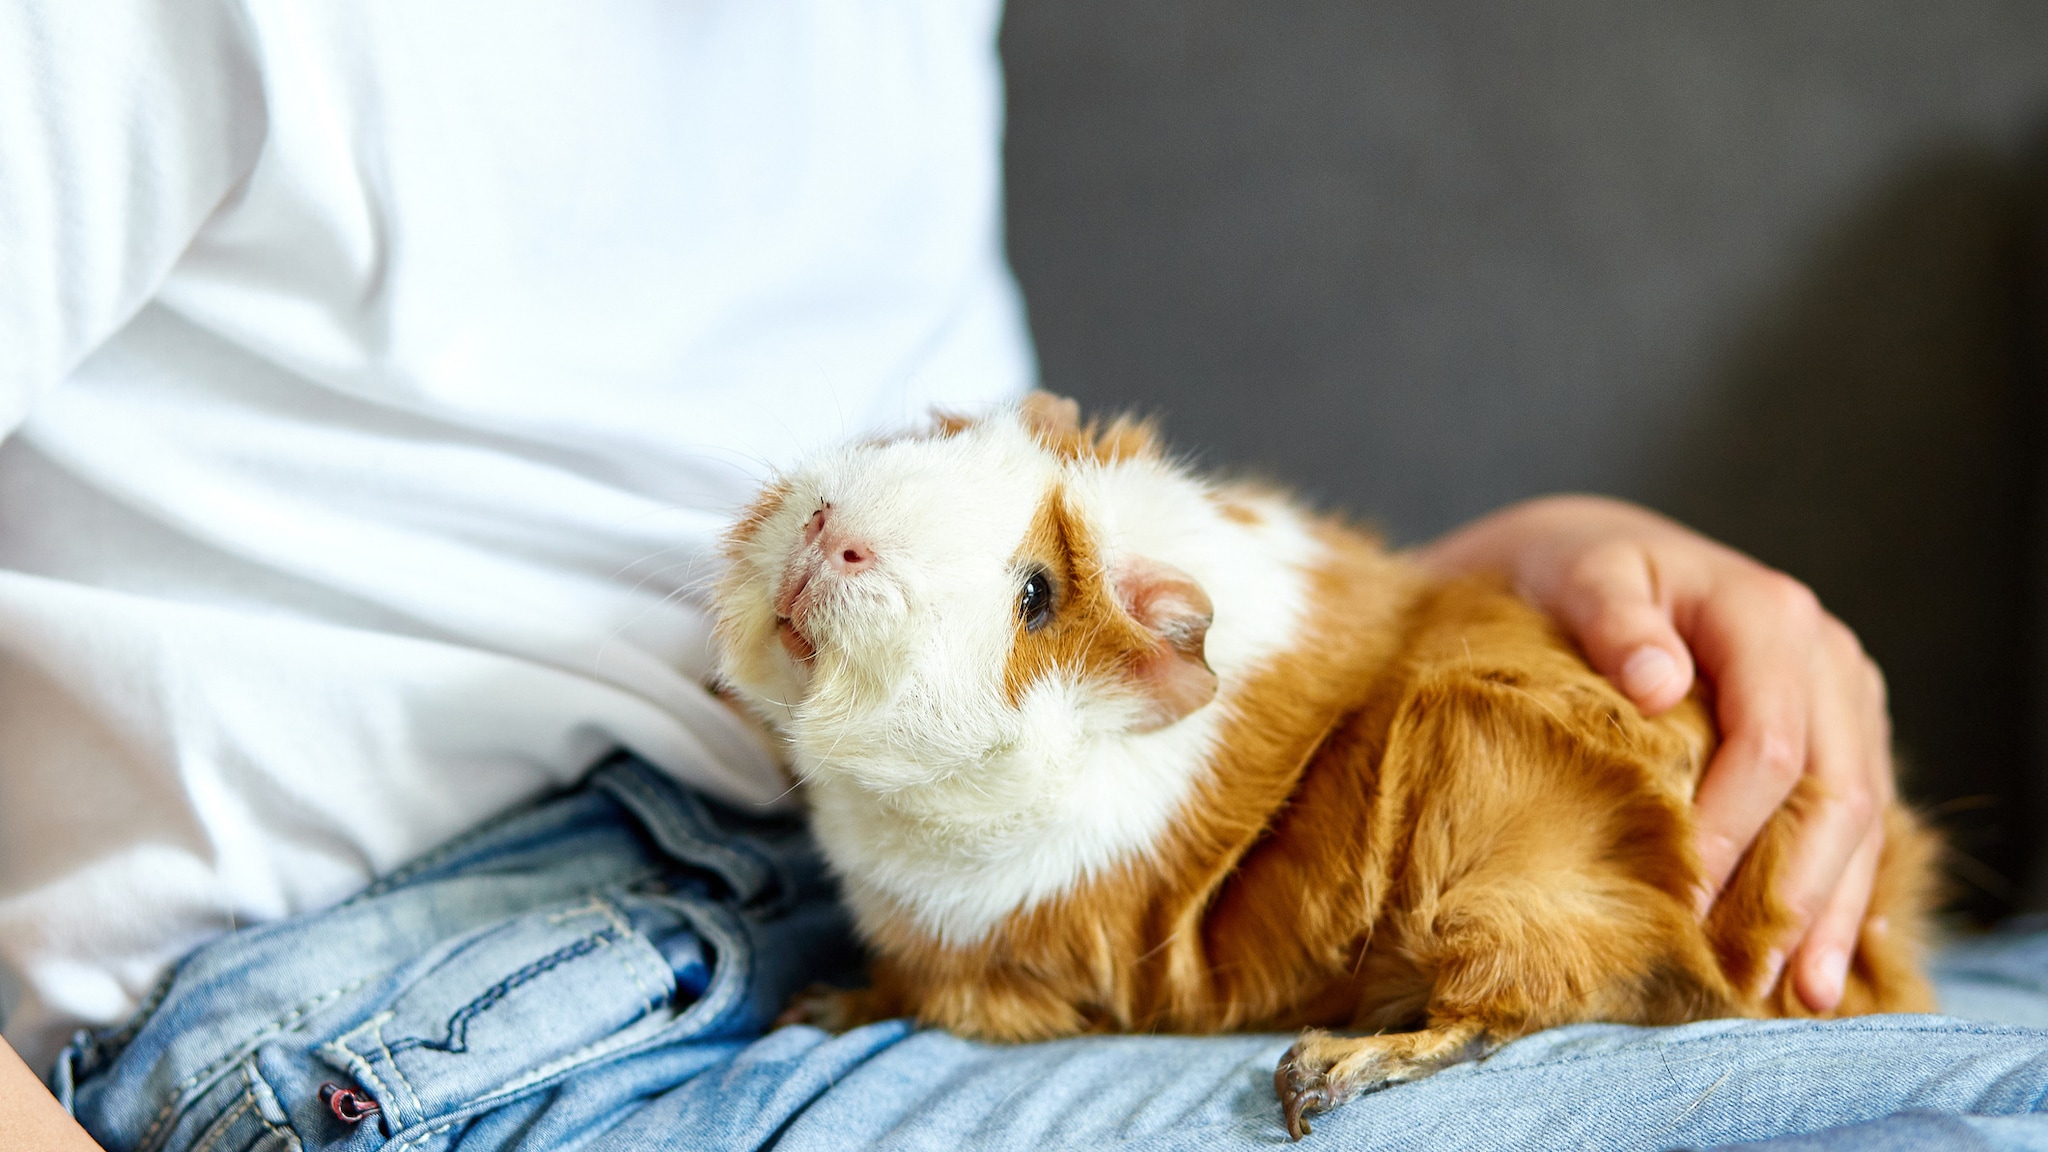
(378, 377)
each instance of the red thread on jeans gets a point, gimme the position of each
(348, 1105)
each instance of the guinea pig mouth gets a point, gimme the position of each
(790, 610)
(794, 642)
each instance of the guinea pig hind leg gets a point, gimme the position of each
(1322, 1071)
(836, 1009)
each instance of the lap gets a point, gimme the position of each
(1588, 1086)
(595, 973)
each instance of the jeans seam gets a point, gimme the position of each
(627, 784)
(716, 999)
(106, 1049)
(442, 854)
(218, 1130)
(259, 1092)
(397, 1073)
(456, 1028)
(290, 1137)
(418, 1138)
(653, 987)
(280, 1024)
(400, 1089)
(609, 1046)
(360, 1067)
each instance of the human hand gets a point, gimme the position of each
(1793, 693)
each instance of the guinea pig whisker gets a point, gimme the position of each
(836, 741)
(784, 794)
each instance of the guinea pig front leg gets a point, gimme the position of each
(1322, 1071)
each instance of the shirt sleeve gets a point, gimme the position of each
(123, 125)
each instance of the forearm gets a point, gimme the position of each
(29, 1116)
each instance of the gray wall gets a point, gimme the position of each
(1769, 267)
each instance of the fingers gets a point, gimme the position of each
(1610, 601)
(1826, 880)
(1852, 762)
(1821, 968)
(1834, 818)
(1755, 640)
(1654, 605)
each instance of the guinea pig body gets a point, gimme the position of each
(1097, 744)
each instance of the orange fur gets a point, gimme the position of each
(753, 516)
(1091, 634)
(1429, 815)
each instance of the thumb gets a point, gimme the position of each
(1607, 600)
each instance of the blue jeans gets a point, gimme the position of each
(596, 972)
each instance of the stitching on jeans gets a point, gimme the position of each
(652, 989)
(607, 767)
(218, 1130)
(442, 854)
(656, 990)
(106, 1049)
(588, 907)
(724, 991)
(584, 1055)
(457, 1038)
(418, 1138)
(259, 1091)
(281, 1024)
(694, 844)
(178, 1102)
(360, 1067)
(376, 1085)
(391, 1062)
(290, 1138)
(339, 1046)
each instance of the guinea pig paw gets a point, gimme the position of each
(1322, 1071)
(831, 1009)
(1308, 1080)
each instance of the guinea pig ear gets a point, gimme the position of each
(1175, 676)
(1050, 416)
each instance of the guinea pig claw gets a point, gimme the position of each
(1301, 1091)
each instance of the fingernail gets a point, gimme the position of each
(1646, 671)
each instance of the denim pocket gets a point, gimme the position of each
(512, 1005)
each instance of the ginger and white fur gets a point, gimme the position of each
(1249, 771)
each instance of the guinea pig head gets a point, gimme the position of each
(922, 608)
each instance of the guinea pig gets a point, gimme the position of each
(1096, 743)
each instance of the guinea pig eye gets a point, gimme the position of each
(1034, 607)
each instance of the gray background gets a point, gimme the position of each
(1769, 267)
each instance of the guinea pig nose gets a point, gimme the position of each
(845, 553)
(842, 550)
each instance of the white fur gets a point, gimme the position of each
(932, 795)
